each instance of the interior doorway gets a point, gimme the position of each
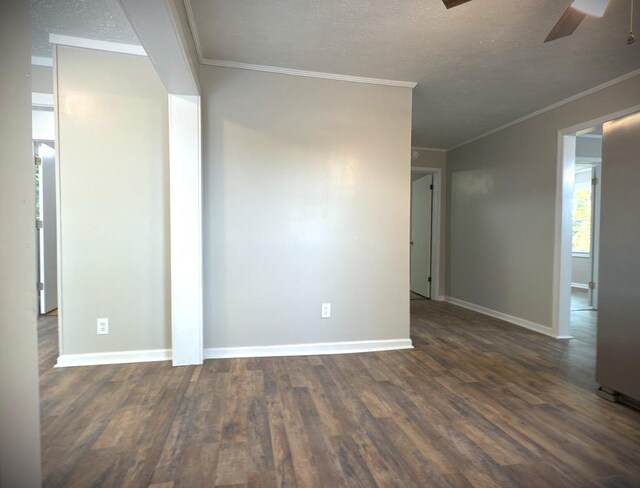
(585, 243)
(585, 233)
(45, 167)
(46, 241)
(578, 170)
(425, 233)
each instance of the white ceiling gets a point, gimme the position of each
(478, 66)
(93, 19)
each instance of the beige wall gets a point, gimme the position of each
(19, 404)
(501, 208)
(437, 159)
(112, 116)
(41, 79)
(430, 159)
(306, 200)
(588, 147)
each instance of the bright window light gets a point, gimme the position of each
(591, 7)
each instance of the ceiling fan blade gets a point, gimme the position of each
(567, 24)
(597, 8)
(454, 3)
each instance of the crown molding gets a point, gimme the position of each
(434, 149)
(41, 61)
(308, 74)
(580, 95)
(191, 20)
(284, 71)
(114, 47)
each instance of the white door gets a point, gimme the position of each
(421, 213)
(48, 272)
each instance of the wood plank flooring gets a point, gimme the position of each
(477, 403)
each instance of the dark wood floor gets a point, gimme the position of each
(477, 403)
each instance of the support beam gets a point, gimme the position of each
(163, 31)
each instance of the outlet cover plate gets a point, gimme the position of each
(102, 326)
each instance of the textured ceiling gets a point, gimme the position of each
(479, 66)
(93, 19)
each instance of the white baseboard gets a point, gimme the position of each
(441, 298)
(101, 358)
(581, 286)
(506, 317)
(307, 349)
(98, 358)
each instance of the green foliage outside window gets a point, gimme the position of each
(582, 219)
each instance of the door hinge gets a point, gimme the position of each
(592, 285)
(429, 279)
(594, 181)
(39, 224)
(40, 286)
(38, 161)
(431, 187)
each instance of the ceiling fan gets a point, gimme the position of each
(571, 18)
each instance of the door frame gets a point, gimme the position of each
(594, 168)
(39, 238)
(565, 167)
(436, 222)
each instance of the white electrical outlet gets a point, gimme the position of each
(326, 310)
(103, 326)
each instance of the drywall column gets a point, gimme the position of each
(186, 229)
(19, 402)
(114, 246)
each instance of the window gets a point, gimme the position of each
(582, 214)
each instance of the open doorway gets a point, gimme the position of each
(425, 233)
(46, 242)
(576, 166)
(585, 230)
(421, 234)
(46, 223)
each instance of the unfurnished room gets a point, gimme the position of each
(319, 243)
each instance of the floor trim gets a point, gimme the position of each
(307, 349)
(122, 357)
(527, 324)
